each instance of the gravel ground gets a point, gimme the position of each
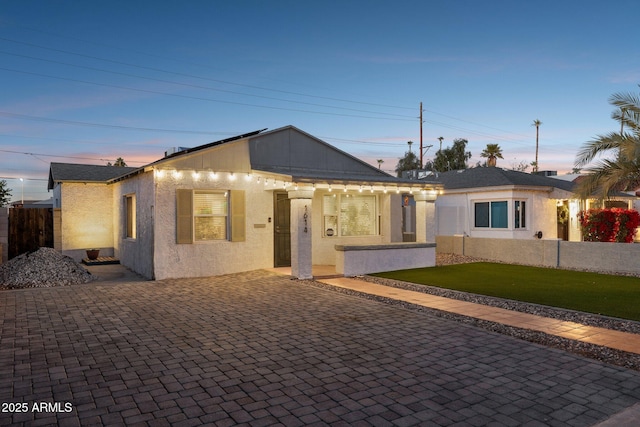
(43, 268)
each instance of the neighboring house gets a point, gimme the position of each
(499, 203)
(254, 201)
(32, 204)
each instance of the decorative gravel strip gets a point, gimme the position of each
(539, 310)
(600, 353)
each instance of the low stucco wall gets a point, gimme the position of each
(356, 260)
(614, 257)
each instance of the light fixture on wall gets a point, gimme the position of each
(211, 175)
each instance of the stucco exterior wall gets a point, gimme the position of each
(200, 259)
(455, 214)
(135, 253)
(86, 219)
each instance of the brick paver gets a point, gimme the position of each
(260, 349)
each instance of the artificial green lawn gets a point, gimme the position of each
(616, 296)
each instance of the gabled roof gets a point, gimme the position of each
(285, 151)
(209, 145)
(497, 177)
(72, 172)
(291, 151)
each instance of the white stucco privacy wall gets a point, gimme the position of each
(357, 260)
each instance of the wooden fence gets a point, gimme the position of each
(29, 229)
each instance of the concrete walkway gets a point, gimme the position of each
(258, 349)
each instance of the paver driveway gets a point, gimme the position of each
(261, 349)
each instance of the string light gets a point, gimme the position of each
(284, 184)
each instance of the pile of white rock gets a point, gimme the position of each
(45, 267)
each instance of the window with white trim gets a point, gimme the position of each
(519, 214)
(491, 214)
(350, 215)
(210, 215)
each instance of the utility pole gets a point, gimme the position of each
(421, 135)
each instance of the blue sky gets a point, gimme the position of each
(87, 82)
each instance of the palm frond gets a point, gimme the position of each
(601, 145)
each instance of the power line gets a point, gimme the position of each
(199, 98)
(102, 125)
(75, 141)
(222, 90)
(250, 86)
(64, 157)
(197, 77)
(199, 86)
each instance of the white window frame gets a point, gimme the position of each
(489, 225)
(224, 215)
(520, 214)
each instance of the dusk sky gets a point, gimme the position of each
(87, 82)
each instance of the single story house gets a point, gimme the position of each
(498, 203)
(259, 200)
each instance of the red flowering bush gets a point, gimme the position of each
(609, 225)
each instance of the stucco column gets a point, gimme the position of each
(425, 218)
(301, 260)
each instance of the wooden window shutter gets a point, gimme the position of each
(184, 216)
(238, 227)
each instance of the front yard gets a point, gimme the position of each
(616, 296)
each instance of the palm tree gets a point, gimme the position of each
(492, 153)
(537, 124)
(620, 170)
(380, 162)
